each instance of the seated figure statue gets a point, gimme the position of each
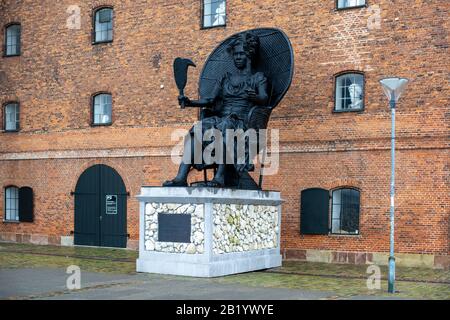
(237, 92)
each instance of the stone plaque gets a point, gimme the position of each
(174, 227)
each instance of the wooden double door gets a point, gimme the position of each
(100, 208)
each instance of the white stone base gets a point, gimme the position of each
(166, 263)
(245, 207)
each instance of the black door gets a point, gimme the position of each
(101, 208)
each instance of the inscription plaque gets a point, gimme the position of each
(174, 227)
(111, 204)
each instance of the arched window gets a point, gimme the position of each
(214, 13)
(344, 4)
(349, 92)
(11, 204)
(19, 204)
(102, 109)
(103, 25)
(11, 116)
(345, 211)
(12, 40)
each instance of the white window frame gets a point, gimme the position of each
(11, 117)
(336, 217)
(12, 40)
(214, 19)
(102, 109)
(348, 4)
(11, 204)
(103, 31)
(346, 100)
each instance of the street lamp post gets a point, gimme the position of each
(393, 88)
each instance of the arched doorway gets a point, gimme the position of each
(100, 208)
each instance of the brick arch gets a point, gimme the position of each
(100, 4)
(120, 170)
(343, 183)
(349, 70)
(97, 5)
(8, 185)
(337, 184)
(9, 99)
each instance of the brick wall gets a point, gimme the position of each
(60, 69)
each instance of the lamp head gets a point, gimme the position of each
(394, 87)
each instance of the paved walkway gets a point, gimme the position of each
(51, 284)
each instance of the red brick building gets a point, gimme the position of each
(91, 82)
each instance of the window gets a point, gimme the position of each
(345, 211)
(102, 109)
(315, 212)
(12, 40)
(214, 13)
(12, 204)
(349, 92)
(11, 116)
(19, 204)
(343, 4)
(103, 25)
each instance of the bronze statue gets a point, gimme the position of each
(235, 97)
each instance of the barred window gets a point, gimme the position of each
(345, 211)
(349, 92)
(12, 40)
(342, 4)
(102, 109)
(103, 25)
(11, 204)
(11, 116)
(214, 13)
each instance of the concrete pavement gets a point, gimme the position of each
(46, 283)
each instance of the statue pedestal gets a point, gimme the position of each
(208, 232)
